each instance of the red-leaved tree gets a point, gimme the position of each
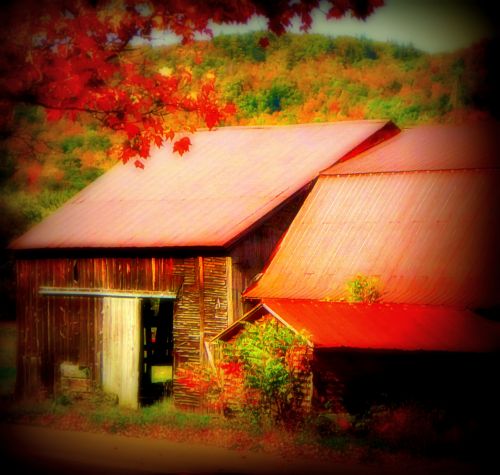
(73, 57)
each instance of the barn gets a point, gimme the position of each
(417, 216)
(139, 271)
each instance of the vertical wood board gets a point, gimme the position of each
(120, 345)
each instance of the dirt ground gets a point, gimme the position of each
(46, 450)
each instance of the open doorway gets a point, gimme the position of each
(157, 344)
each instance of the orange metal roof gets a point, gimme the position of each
(230, 179)
(429, 147)
(387, 326)
(430, 237)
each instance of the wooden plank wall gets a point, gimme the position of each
(187, 329)
(57, 329)
(53, 329)
(250, 254)
(215, 296)
(201, 311)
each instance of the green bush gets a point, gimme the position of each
(353, 50)
(241, 47)
(405, 52)
(304, 47)
(362, 288)
(8, 165)
(32, 207)
(443, 104)
(274, 99)
(76, 177)
(29, 114)
(277, 97)
(97, 143)
(69, 144)
(385, 108)
(274, 361)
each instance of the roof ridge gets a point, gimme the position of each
(393, 172)
(299, 124)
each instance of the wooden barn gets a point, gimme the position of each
(139, 271)
(416, 215)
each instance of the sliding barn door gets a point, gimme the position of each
(121, 340)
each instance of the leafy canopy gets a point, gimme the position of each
(76, 57)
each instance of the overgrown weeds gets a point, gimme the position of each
(405, 431)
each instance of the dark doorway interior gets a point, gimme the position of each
(157, 350)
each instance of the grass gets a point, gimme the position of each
(162, 413)
(159, 421)
(310, 441)
(100, 413)
(339, 437)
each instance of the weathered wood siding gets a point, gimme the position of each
(54, 330)
(250, 254)
(200, 313)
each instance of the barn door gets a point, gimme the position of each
(121, 339)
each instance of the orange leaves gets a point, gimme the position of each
(33, 172)
(104, 102)
(230, 109)
(211, 116)
(53, 114)
(232, 368)
(182, 145)
(158, 140)
(131, 130)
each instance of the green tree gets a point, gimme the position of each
(275, 364)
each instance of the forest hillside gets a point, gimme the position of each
(270, 80)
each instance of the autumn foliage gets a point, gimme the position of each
(73, 57)
(264, 373)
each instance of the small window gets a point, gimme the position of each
(161, 374)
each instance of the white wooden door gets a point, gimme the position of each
(121, 339)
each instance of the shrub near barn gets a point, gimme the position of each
(264, 373)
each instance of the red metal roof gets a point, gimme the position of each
(430, 237)
(230, 179)
(430, 147)
(383, 326)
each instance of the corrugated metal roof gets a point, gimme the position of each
(430, 147)
(429, 238)
(381, 326)
(384, 326)
(230, 179)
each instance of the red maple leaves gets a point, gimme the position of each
(74, 57)
(182, 145)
